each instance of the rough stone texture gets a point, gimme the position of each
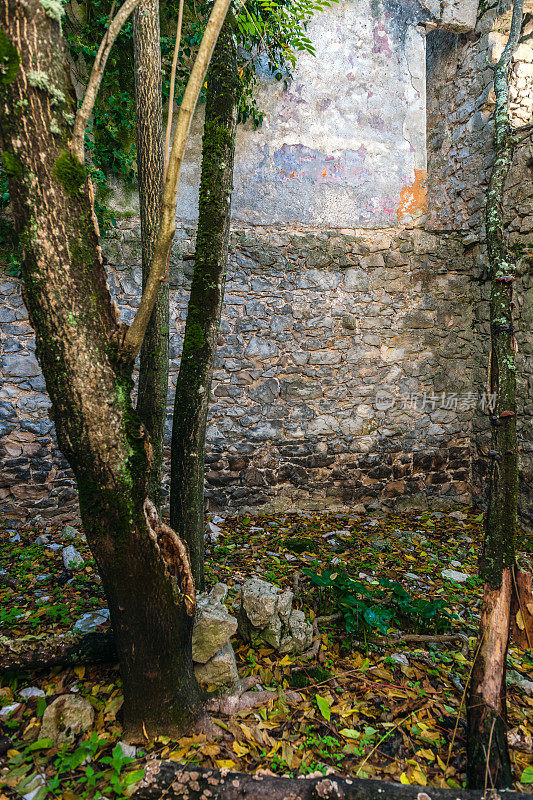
(460, 100)
(213, 627)
(66, 718)
(220, 670)
(352, 360)
(266, 617)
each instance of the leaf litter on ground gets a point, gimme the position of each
(391, 710)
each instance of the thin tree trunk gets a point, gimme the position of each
(143, 564)
(489, 764)
(193, 386)
(153, 372)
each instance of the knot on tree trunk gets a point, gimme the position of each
(174, 554)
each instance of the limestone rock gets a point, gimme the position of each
(71, 558)
(219, 670)
(213, 625)
(266, 617)
(68, 716)
(453, 575)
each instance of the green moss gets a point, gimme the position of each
(69, 172)
(9, 60)
(194, 338)
(12, 165)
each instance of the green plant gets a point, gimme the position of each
(367, 607)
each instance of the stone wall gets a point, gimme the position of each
(352, 361)
(335, 350)
(460, 99)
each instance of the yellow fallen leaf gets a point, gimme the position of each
(404, 779)
(80, 671)
(529, 607)
(520, 620)
(240, 749)
(285, 661)
(211, 750)
(419, 777)
(225, 763)
(441, 763)
(427, 754)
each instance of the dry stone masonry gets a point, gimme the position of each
(353, 346)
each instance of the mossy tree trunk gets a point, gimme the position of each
(153, 372)
(143, 564)
(193, 386)
(489, 764)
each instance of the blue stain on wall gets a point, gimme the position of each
(301, 163)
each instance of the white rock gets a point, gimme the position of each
(217, 520)
(399, 658)
(31, 790)
(259, 601)
(515, 679)
(128, 750)
(6, 711)
(67, 717)
(453, 575)
(213, 532)
(71, 558)
(91, 621)
(44, 538)
(31, 691)
(458, 515)
(455, 563)
(69, 533)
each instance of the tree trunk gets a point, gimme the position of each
(193, 386)
(489, 764)
(143, 564)
(172, 781)
(153, 372)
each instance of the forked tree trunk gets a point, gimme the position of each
(193, 386)
(489, 764)
(153, 372)
(143, 564)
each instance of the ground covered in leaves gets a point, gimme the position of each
(371, 703)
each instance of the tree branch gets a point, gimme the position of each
(86, 108)
(135, 333)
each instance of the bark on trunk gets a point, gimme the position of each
(153, 372)
(143, 564)
(205, 303)
(489, 763)
(172, 781)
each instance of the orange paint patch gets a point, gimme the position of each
(413, 198)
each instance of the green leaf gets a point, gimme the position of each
(133, 777)
(40, 744)
(527, 775)
(324, 707)
(350, 733)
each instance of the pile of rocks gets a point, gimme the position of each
(212, 652)
(266, 617)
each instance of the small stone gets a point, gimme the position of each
(15, 539)
(128, 750)
(379, 544)
(455, 563)
(213, 532)
(458, 515)
(92, 621)
(399, 658)
(359, 509)
(43, 539)
(69, 533)
(71, 558)
(67, 717)
(31, 691)
(453, 575)
(6, 711)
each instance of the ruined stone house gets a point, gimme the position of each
(354, 343)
